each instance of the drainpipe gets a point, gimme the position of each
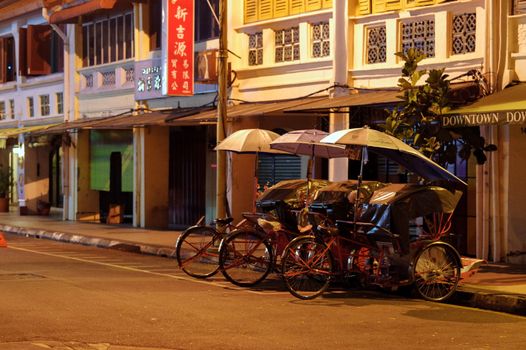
(68, 212)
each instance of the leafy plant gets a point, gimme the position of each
(417, 119)
(4, 182)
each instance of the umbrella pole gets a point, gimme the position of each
(360, 176)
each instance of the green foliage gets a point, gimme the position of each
(4, 181)
(417, 119)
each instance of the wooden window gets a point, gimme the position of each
(155, 25)
(44, 105)
(255, 49)
(60, 102)
(108, 40)
(287, 45)
(206, 26)
(39, 50)
(7, 60)
(321, 44)
(519, 7)
(2, 110)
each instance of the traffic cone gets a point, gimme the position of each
(3, 242)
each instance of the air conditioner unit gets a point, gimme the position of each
(206, 67)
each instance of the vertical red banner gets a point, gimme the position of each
(180, 47)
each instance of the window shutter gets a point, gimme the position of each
(326, 4)
(393, 5)
(3, 60)
(281, 8)
(313, 5)
(265, 9)
(22, 50)
(297, 6)
(38, 50)
(379, 6)
(251, 11)
(519, 7)
(364, 7)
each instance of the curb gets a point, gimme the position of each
(489, 300)
(91, 241)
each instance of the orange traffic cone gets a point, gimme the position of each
(3, 242)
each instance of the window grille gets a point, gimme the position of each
(88, 80)
(60, 103)
(12, 108)
(108, 78)
(287, 45)
(30, 107)
(464, 33)
(2, 110)
(419, 35)
(44, 105)
(376, 45)
(255, 49)
(130, 74)
(321, 45)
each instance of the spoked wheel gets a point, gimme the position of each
(437, 271)
(197, 251)
(245, 258)
(307, 267)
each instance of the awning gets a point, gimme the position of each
(360, 98)
(12, 132)
(254, 109)
(71, 14)
(125, 121)
(504, 107)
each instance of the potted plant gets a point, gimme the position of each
(4, 189)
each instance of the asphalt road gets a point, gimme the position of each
(63, 296)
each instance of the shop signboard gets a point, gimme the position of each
(148, 79)
(178, 47)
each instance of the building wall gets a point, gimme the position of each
(516, 240)
(156, 158)
(386, 74)
(87, 199)
(36, 176)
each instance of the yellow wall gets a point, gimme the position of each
(87, 199)
(156, 159)
(517, 173)
(36, 180)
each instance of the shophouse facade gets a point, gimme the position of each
(162, 174)
(31, 98)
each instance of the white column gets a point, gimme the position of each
(338, 168)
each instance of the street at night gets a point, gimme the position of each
(70, 296)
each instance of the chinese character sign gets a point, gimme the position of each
(148, 79)
(179, 47)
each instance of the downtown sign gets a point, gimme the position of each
(507, 106)
(178, 47)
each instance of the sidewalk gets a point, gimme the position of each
(497, 287)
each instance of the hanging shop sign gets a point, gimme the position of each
(178, 47)
(148, 79)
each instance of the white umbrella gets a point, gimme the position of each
(249, 141)
(307, 143)
(394, 149)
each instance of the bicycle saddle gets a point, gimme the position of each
(224, 221)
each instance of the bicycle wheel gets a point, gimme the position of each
(196, 251)
(437, 271)
(307, 267)
(245, 258)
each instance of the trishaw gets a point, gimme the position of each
(373, 240)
